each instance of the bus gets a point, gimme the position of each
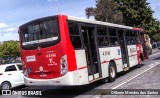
(66, 50)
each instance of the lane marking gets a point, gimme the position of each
(151, 66)
(157, 62)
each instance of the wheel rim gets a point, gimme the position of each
(112, 72)
(5, 86)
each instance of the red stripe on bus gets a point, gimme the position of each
(82, 67)
(109, 61)
(117, 59)
(138, 29)
(104, 62)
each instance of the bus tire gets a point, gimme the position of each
(112, 72)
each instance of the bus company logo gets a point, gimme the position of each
(132, 50)
(40, 68)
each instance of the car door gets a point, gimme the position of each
(20, 72)
(12, 75)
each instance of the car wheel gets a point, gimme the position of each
(5, 86)
(112, 72)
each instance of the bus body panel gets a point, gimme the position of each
(46, 60)
(67, 43)
(132, 53)
(75, 60)
(82, 66)
(117, 57)
(104, 59)
(108, 54)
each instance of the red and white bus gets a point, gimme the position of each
(65, 50)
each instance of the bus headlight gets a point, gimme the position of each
(64, 65)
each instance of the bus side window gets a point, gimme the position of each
(103, 40)
(75, 35)
(114, 41)
(128, 41)
(133, 37)
(129, 37)
(112, 31)
(113, 38)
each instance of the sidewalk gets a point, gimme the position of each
(155, 50)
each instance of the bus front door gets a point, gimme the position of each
(92, 56)
(124, 50)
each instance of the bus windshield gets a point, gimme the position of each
(39, 33)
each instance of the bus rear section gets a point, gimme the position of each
(46, 52)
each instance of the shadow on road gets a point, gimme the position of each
(67, 91)
(130, 70)
(157, 58)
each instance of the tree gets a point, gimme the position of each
(137, 13)
(9, 50)
(106, 11)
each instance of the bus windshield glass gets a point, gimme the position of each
(39, 33)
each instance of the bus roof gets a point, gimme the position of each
(72, 18)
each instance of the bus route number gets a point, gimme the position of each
(106, 53)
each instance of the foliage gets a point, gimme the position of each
(135, 13)
(106, 11)
(9, 49)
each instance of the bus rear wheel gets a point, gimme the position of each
(112, 72)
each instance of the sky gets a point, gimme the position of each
(14, 13)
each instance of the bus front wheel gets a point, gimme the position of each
(112, 71)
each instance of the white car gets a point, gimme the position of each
(11, 75)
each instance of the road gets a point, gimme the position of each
(146, 77)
